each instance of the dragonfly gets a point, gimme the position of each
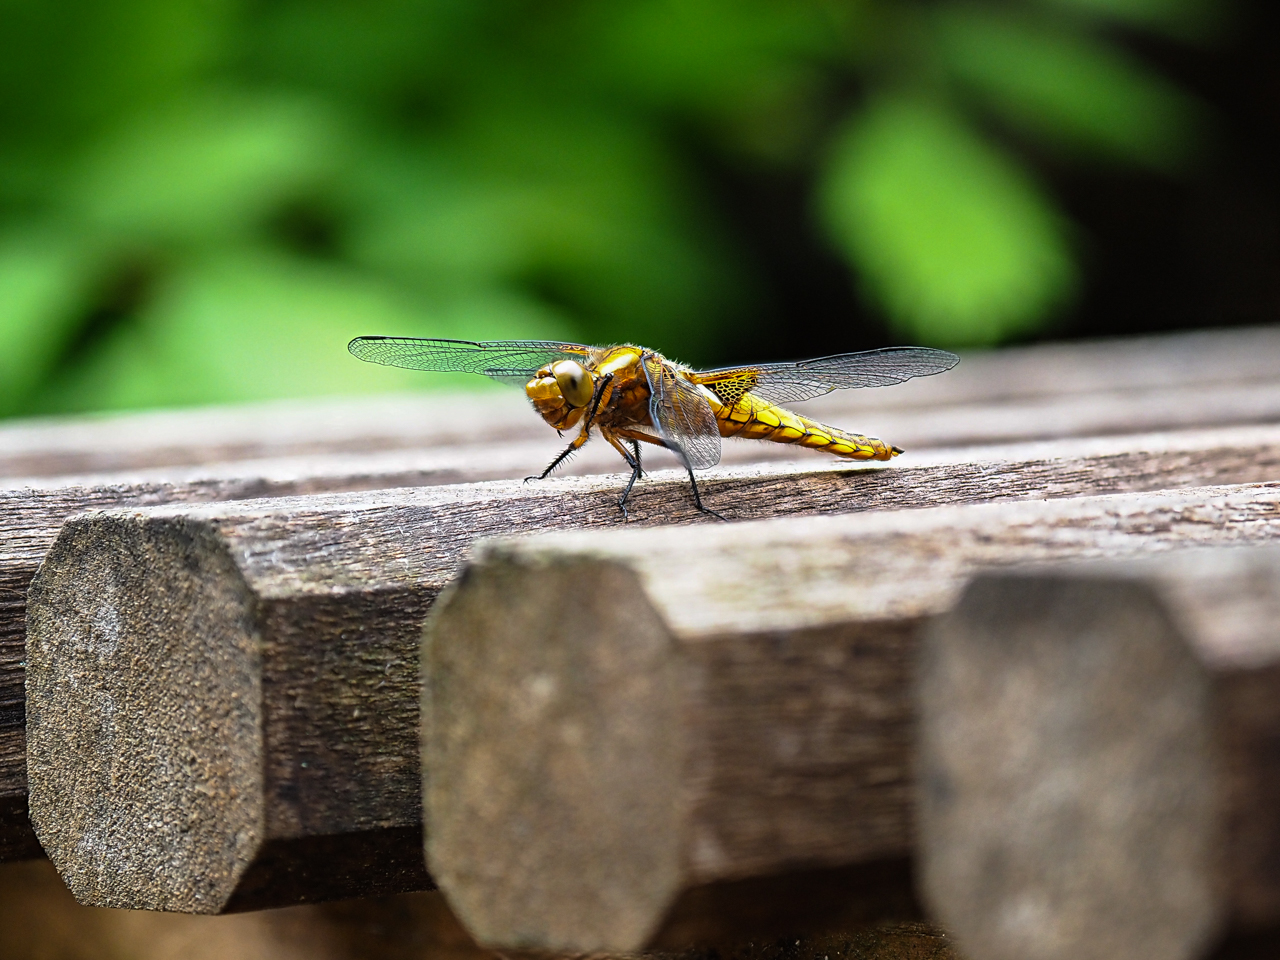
(632, 395)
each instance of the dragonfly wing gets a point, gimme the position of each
(682, 414)
(515, 361)
(806, 379)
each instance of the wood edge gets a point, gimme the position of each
(132, 726)
(541, 833)
(1068, 789)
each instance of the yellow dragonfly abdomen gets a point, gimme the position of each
(754, 419)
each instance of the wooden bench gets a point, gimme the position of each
(222, 695)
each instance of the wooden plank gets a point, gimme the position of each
(310, 609)
(910, 426)
(1105, 412)
(1141, 384)
(1107, 734)
(31, 512)
(33, 509)
(525, 445)
(612, 723)
(1157, 362)
(128, 441)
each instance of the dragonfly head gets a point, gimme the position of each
(575, 383)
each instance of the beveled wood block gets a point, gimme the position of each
(614, 723)
(317, 603)
(1098, 759)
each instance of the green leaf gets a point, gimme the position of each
(249, 326)
(70, 68)
(948, 234)
(427, 219)
(374, 52)
(704, 53)
(585, 210)
(42, 287)
(748, 69)
(1067, 88)
(1184, 19)
(207, 167)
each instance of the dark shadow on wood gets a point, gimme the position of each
(1254, 945)
(800, 903)
(17, 839)
(315, 869)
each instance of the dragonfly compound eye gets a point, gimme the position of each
(574, 382)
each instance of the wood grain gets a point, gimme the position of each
(1138, 384)
(612, 722)
(1106, 734)
(130, 441)
(32, 511)
(334, 588)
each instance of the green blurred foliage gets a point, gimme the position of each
(1192, 20)
(202, 200)
(950, 234)
(1071, 91)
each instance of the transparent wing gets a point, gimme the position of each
(806, 379)
(682, 414)
(515, 361)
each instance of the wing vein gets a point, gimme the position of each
(513, 361)
(806, 379)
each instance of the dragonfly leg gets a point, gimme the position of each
(636, 438)
(697, 499)
(565, 454)
(633, 461)
(622, 500)
(601, 389)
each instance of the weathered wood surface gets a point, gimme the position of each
(1139, 384)
(613, 722)
(1098, 759)
(333, 589)
(1159, 362)
(1092, 414)
(128, 441)
(32, 513)
(42, 921)
(910, 425)
(33, 509)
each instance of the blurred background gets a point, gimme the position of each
(203, 200)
